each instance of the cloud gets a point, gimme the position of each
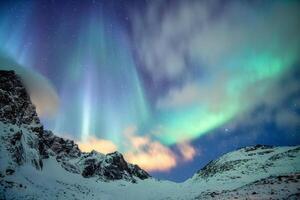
(151, 155)
(141, 150)
(278, 106)
(205, 34)
(187, 151)
(193, 93)
(42, 94)
(40, 90)
(220, 60)
(287, 119)
(148, 154)
(100, 145)
(178, 97)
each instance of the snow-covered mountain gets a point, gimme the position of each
(257, 172)
(36, 164)
(24, 141)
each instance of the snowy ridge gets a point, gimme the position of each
(244, 163)
(106, 167)
(255, 172)
(36, 164)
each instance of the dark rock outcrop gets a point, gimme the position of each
(59, 146)
(26, 140)
(15, 104)
(111, 166)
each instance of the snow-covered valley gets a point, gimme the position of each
(36, 164)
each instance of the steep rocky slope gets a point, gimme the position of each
(36, 164)
(23, 140)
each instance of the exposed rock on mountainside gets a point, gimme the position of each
(248, 161)
(23, 140)
(256, 172)
(112, 166)
(15, 104)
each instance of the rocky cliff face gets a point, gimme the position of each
(17, 119)
(23, 140)
(15, 104)
(111, 166)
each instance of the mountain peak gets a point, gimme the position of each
(25, 141)
(15, 104)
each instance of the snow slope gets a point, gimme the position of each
(36, 164)
(251, 170)
(279, 180)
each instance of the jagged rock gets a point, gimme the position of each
(18, 114)
(61, 147)
(138, 172)
(110, 167)
(26, 141)
(256, 147)
(15, 104)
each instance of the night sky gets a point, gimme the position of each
(170, 84)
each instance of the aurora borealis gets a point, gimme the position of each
(155, 80)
